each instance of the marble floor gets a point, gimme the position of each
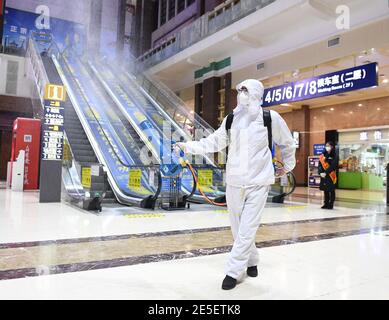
(56, 251)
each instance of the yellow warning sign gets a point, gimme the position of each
(135, 178)
(86, 177)
(141, 117)
(55, 92)
(66, 152)
(205, 178)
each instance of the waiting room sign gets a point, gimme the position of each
(361, 77)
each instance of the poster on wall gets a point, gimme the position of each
(19, 25)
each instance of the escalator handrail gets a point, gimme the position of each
(194, 181)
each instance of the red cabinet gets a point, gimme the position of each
(26, 136)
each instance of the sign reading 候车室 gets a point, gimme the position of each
(357, 78)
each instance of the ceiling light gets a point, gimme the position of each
(332, 109)
(285, 104)
(378, 109)
(385, 81)
(360, 105)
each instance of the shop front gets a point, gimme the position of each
(355, 116)
(363, 157)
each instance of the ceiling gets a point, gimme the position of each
(278, 29)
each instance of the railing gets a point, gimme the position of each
(171, 102)
(221, 17)
(191, 124)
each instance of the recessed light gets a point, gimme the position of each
(360, 105)
(385, 81)
(332, 109)
(378, 109)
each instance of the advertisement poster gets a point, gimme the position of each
(19, 25)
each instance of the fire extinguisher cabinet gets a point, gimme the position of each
(26, 137)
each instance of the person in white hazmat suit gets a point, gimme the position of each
(249, 172)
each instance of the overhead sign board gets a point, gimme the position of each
(361, 77)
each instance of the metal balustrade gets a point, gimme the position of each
(221, 17)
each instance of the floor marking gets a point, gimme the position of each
(291, 208)
(221, 211)
(145, 215)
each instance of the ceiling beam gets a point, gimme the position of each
(194, 62)
(321, 9)
(247, 41)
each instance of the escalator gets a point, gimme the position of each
(155, 126)
(76, 136)
(158, 104)
(111, 117)
(97, 135)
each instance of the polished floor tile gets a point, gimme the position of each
(282, 276)
(128, 253)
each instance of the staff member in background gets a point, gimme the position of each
(327, 169)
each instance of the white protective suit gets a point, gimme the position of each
(249, 170)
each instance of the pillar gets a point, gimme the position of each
(211, 100)
(301, 123)
(95, 25)
(121, 27)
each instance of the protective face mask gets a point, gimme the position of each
(328, 149)
(243, 99)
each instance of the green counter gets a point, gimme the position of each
(359, 180)
(372, 182)
(350, 180)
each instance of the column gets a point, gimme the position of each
(167, 10)
(211, 101)
(229, 98)
(159, 12)
(198, 99)
(301, 123)
(95, 25)
(121, 27)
